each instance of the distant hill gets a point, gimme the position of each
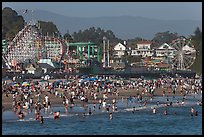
(124, 27)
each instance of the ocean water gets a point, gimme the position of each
(124, 122)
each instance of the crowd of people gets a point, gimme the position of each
(36, 94)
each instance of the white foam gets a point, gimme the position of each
(25, 120)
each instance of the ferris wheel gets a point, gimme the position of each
(185, 54)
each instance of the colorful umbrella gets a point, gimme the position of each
(16, 85)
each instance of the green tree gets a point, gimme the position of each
(68, 37)
(197, 42)
(12, 23)
(163, 37)
(49, 28)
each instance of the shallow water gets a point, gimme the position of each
(124, 122)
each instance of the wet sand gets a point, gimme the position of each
(57, 101)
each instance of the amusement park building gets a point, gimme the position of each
(143, 48)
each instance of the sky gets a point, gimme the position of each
(156, 10)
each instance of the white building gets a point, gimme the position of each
(165, 50)
(119, 50)
(143, 48)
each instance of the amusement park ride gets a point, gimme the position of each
(29, 43)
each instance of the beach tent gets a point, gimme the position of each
(25, 83)
(16, 85)
(93, 79)
(88, 79)
(6, 79)
(57, 82)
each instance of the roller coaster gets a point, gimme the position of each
(30, 44)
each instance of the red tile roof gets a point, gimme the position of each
(144, 42)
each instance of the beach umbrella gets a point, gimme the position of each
(85, 79)
(93, 79)
(25, 84)
(16, 85)
(6, 79)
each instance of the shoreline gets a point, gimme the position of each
(57, 101)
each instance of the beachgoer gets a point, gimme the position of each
(21, 115)
(41, 120)
(56, 115)
(111, 116)
(192, 110)
(196, 113)
(154, 110)
(89, 111)
(37, 116)
(165, 112)
(133, 110)
(46, 99)
(83, 114)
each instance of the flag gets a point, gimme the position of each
(25, 11)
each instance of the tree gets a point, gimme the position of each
(133, 42)
(68, 37)
(49, 28)
(198, 33)
(196, 40)
(12, 23)
(163, 37)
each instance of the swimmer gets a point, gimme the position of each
(182, 103)
(192, 110)
(158, 103)
(56, 115)
(89, 111)
(107, 108)
(41, 120)
(133, 110)
(165, 112)
(154, 110)
(116, 108)
(111, 116)
(177, 102)
(21, 115)
(83, 114)
(37, 117)
(196, 113)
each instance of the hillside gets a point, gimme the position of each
(124, 27)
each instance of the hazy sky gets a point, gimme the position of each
(158, 10)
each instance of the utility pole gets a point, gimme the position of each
(104, 51)
(108, 55)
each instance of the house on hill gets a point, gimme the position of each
(119, 52)
(143, 49)
(165, 50)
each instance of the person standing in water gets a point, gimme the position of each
(165, 112)
(154, 110)
(133, 110)
(110, 116)
(41, 120)
(56, 115)
(192, 111)
(89, 111)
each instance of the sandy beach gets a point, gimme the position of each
(57, 101)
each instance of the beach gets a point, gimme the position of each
(57, 101)
(93, 107)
